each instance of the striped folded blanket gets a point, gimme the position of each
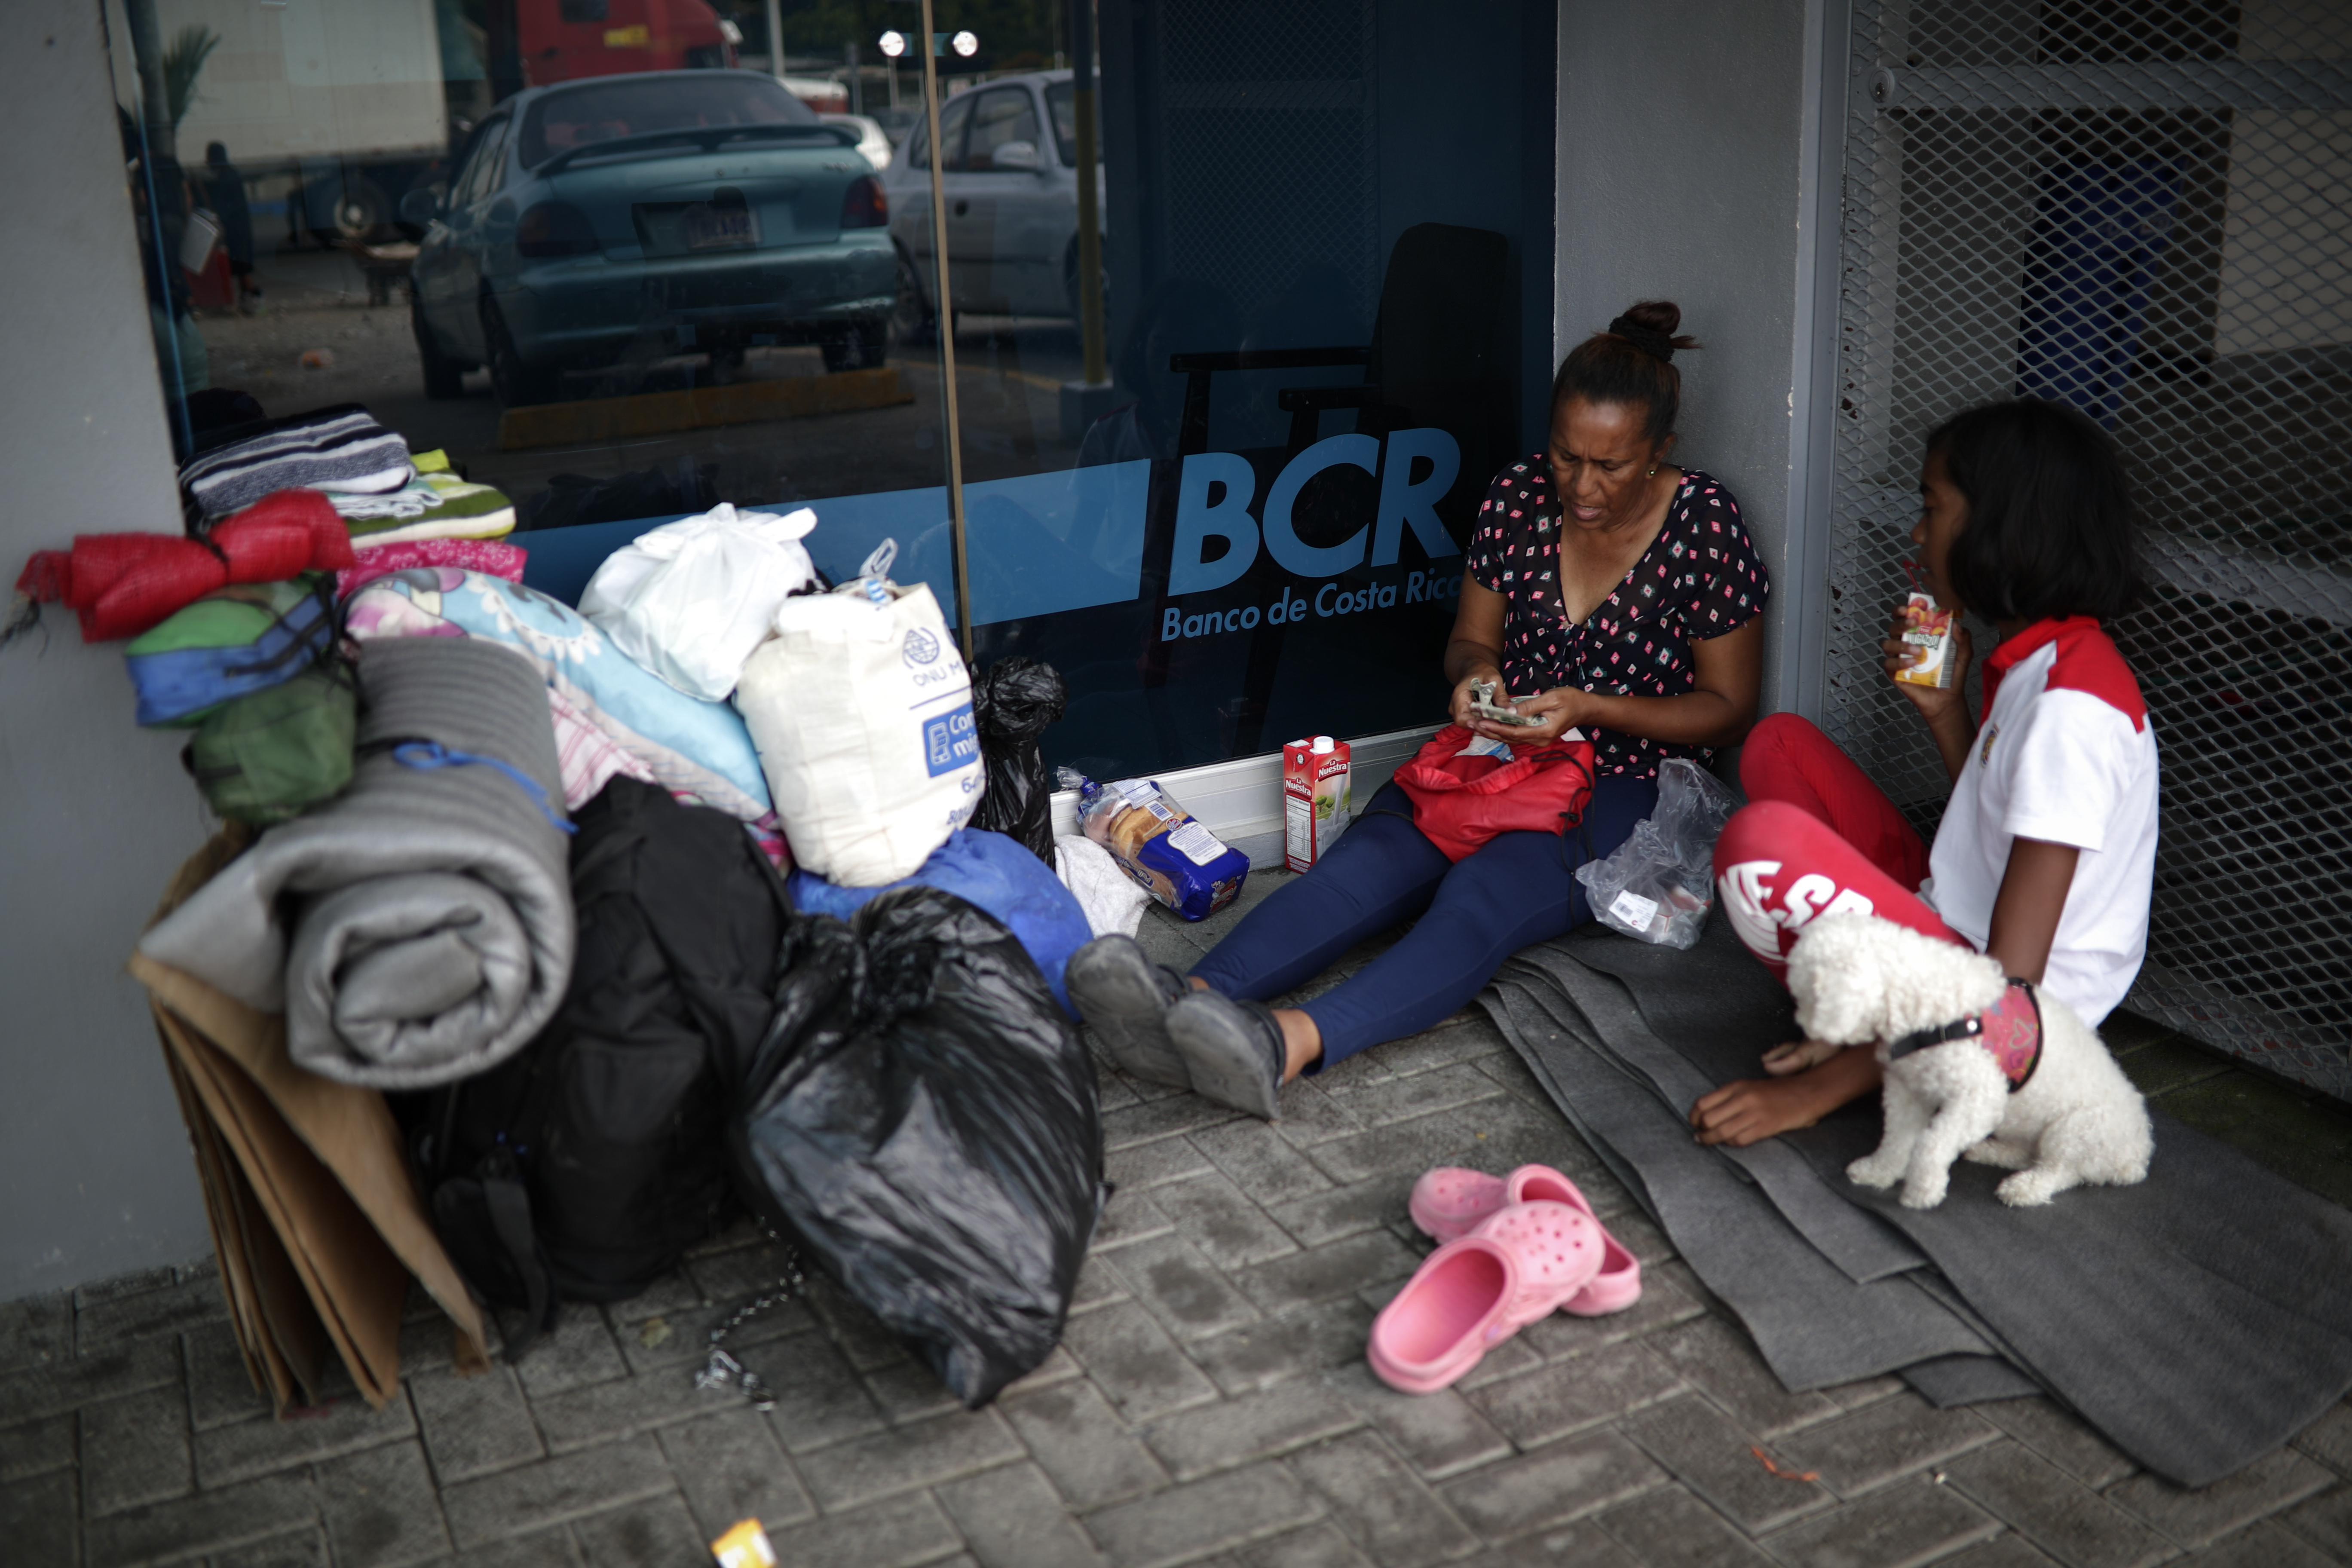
(341, 448)
(432, 506)
(413, 499)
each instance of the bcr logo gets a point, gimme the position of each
(1214, 495)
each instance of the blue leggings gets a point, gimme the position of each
(1471, 915)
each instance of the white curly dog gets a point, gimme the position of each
(1943, 1021)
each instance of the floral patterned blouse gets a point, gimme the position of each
(1698, 579)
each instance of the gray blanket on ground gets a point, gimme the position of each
(429, 908)
(2198, 1320)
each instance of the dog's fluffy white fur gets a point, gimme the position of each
(1861, 980)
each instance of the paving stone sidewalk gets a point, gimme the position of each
(1210, 1403)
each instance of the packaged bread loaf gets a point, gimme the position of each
(1157, 842)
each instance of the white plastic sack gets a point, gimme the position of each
(1659, 883)
(690, 600)
(861, 709)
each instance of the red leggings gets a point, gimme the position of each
(1817, 838)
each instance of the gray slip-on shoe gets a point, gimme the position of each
(1231, 1050)
(1123, 997)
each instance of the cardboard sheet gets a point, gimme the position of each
(317, 1222)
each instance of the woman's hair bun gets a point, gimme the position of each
(1630, 364)
(1663, 317)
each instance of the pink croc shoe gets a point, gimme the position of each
(1449, 1201)
(1618, 1284)
(1453, 1310)
(1476, 1291)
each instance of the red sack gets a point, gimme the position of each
(1461, 802)
(123, 584)
(131, 581)
(281, 535)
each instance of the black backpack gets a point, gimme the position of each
(584, 1165)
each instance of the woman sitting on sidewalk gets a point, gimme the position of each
(2047, 850)
(1628, 606)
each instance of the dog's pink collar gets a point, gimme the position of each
(2010, 1029)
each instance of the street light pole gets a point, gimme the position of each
(1083, 402)
(944, 301)
(776, 38)
(1082, 99)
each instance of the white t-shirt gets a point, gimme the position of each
(2067, 755)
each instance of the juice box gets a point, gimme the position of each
(1926, 626)
(1314, 798)
(745, 1545)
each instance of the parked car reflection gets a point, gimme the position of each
(621, 218)
(1012, 198)
(871, 141)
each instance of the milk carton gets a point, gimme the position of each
(1314, 798)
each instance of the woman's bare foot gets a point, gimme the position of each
(1302, 1041)
(1752, 1110)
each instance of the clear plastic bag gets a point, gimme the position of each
(1660, 882)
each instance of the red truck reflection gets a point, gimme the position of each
(562, 40)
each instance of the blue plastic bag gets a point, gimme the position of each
(989, 869)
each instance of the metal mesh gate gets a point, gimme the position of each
(2142, 208)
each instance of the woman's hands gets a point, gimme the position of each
(1946, 708)
(1460, 707)
(1717, 710)
(1561, 710)
(1557, 709)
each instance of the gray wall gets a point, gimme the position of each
(1689, 163)
(95, 1173)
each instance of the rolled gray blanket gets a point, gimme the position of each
(430, 904)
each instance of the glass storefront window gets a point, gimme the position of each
(1328, 261)
(576, 247)
(609, 270)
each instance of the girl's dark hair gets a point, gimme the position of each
(1611, 367)
(2052, 527)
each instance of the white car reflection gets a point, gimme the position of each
(1011, 204)
(871, 142)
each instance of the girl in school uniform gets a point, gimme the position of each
(2046, 854)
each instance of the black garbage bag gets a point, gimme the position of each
(1014, 703)
(922, 1121)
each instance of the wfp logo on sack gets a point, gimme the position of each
(921, 647)
(951, 739)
